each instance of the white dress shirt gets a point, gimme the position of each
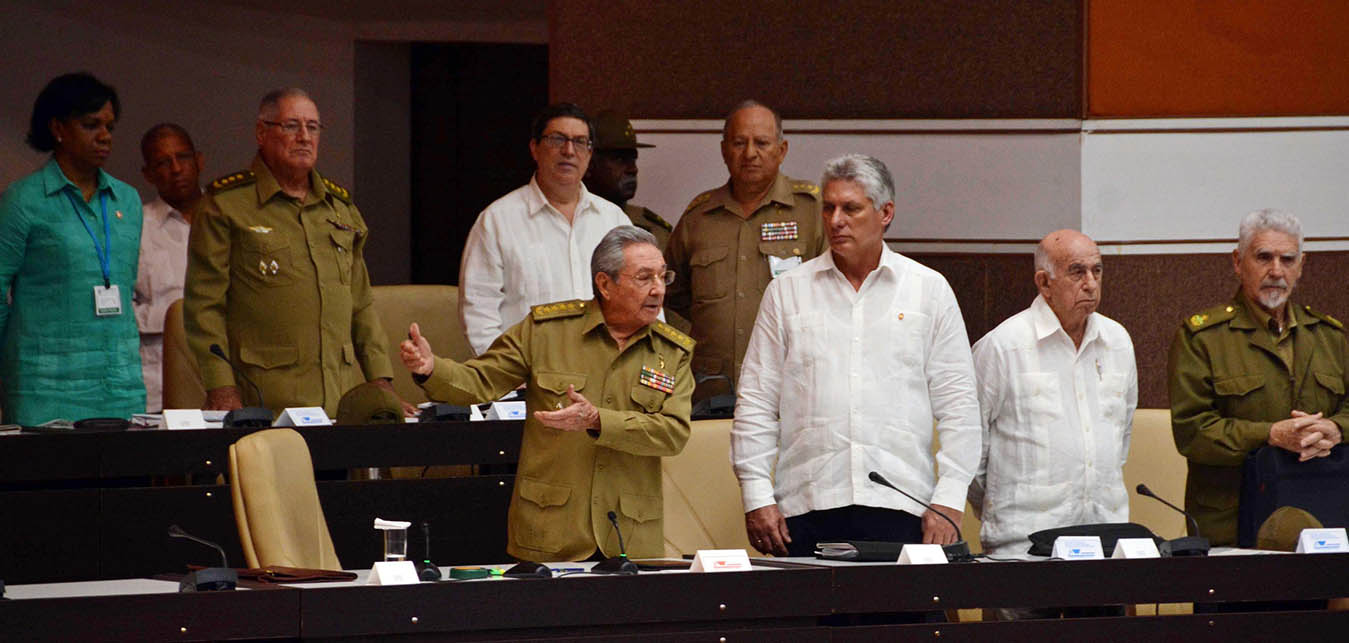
(837, 383)
(159, 282)
(1056, 424)
(522, 252)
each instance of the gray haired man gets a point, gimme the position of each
(608, 389)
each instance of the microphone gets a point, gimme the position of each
(248, 416)
(1185, 545)
(427, 570)
(210, 579)
(957, 552)
(617, 564)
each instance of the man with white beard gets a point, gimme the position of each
(1257, 370)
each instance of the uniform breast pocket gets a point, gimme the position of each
(265, 261)
(553, 385)
(648, 399)
(343, 243)
(781, 256)
(709, 273)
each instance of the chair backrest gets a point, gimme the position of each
(1154, 460)
(276, 504)
(436, 311)
(701, 495)
(183, 388)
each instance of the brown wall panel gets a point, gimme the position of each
(818, 59)
(1208, 58)
(1148, 294)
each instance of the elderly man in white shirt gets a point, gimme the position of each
(533, 245)
(173, 166)
(853, 356)
(1057, 388)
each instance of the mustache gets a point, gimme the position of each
(1274, 283)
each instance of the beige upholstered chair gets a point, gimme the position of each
(276, 504)
(703, 509)
(436, 311)
(183, 388)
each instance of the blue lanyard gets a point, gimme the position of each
(104, 251)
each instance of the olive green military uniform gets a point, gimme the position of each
(721, 264)
(1230, 379)
(281, 286)
(568, 481)
(649, 221)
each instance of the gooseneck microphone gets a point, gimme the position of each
(249, 416)
(617, 564)
(210, 579)
(427, 570)
(1185, 545)
(957, 552)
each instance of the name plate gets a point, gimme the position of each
(1136, 548)
(1323, 541)
(303, 416)
(393, 572)
(184, 419)
(1078, 548)
(720, 560)
(914, 554)
(506, 411)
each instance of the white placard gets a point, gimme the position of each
(1136, 548)
(393, 572)
(1323, 541)
(506, 411)
(915, 554)
(184, 419)
(303, 416)
(1078, 548)
(720, 560)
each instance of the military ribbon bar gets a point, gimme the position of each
(653, 378)
(778, 231)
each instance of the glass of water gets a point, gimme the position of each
(395, 544)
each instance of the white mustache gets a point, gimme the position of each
(1275, 283)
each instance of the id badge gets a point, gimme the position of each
(107, 301)
(779, 265)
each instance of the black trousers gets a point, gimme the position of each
(854, 522)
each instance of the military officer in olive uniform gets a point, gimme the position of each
(608, 391)
(612, 173)
(1257, 370)
(276, 275)
(731, 241)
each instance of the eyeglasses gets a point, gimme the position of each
(559, 141)
(648, 279)
(291, 128)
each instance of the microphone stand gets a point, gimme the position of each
(210, 579)
(617, 564)
(957, 552)
(1185, 545)
(248, 416)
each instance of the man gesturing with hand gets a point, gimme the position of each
(607, 388)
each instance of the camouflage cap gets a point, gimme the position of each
(613, 131)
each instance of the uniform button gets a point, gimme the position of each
(599, 467)
(610, 399)
(741, 295)
(743, 258)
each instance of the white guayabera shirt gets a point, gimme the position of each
(837, 383)
(522, 252)
(1056, 421)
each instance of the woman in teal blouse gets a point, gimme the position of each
(69, 240)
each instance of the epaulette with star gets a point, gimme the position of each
(231, 181)
(1324, 317)
(806, 187)
(698, 200)
(336, 190)
(673, 334)
(656, 220)
(1210, 317)
(558, 310)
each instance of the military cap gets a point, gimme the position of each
(369, 403)
(1283, 527)
(613, 131)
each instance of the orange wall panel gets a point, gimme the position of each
(1217, 57)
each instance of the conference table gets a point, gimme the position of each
(777, 600)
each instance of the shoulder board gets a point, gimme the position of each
(806, 187)
(698, 200)
(231, 181)
(558, 310)
(1210, 317)
(673, 334)
(1324, 317)
(656, 219)
(338, 191)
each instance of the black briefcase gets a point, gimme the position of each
(1272, 478)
